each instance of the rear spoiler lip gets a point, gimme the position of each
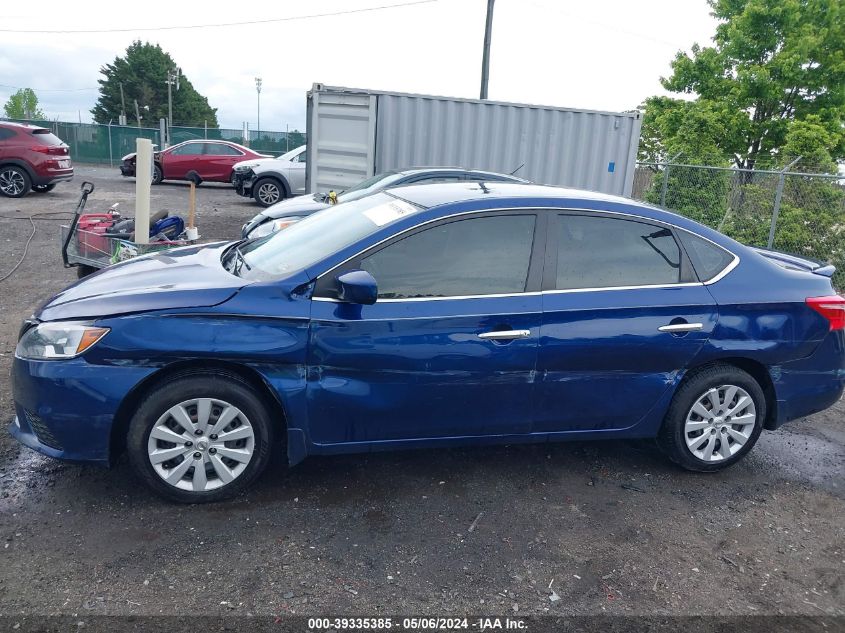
(808, 264)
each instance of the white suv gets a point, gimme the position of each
(270, 180)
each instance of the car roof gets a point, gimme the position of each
(214, 141)
(444, 198)
(409, 171)
(436, 194)
(22, 126)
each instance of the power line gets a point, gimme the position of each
(48, 89)
(222, 24)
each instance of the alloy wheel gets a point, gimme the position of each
(720, 423)
(12, 182)
(201, 444)
(268, 193)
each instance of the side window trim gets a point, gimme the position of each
(324, 291)
(687, 275)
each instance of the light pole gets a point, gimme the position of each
(485, 57)
(258, 92)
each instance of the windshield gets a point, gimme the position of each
(368, 186)
(289, 155)
(315, 238)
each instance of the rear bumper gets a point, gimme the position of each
(811, 384)
(66, 409)
(52, 176)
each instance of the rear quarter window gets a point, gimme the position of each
(5, 133)
(707, 258)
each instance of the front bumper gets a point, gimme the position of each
(243, 182)
(66, 408)
(127, 169)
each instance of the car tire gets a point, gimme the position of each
(14, 181)
(225, 395)
(715, 418)
(43, 188)
(158, 176)
(83, 270)
(268, 191)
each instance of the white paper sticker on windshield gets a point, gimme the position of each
(390, 212)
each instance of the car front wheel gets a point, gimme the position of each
(200, 437)
(267, 192)
(715, 418)
(14, 182)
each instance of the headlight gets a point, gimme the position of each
(58, 340)
(243, 168)
(272, 226)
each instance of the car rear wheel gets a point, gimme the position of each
(43, 188)
(715, 418)
(14, 181)
(158, 176)
(267, 192)
(201, 437)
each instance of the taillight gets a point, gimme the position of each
(831, 308)
(53, 150)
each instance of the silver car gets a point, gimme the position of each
(287, 212)
(270, 180)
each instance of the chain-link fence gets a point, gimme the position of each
(107, 144)
(792, 211)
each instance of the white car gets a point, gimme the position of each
(270, 180)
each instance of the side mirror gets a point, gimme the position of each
(357, 286)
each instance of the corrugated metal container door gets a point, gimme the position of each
(341, 139)
(588, 150)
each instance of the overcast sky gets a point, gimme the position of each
(600, 55)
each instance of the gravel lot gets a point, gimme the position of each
(578, 528)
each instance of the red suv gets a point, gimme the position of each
(31, 157)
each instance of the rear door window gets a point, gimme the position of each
(218, 149)
(606, 252)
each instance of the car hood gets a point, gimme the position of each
(190, 277)
(301, 205)
(131, 155)
(264, 163)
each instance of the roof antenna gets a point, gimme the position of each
(517, 169)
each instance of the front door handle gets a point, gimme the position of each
(674, 328)
(506, 335)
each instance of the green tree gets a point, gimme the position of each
(143, 73)
(24, 105)
(772, 63)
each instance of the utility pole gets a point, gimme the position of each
(172, 78)
(485, 58)
(137, 114)
(258, 92)
(122, 119)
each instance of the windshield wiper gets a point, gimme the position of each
(236, 259)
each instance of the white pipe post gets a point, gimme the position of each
(143, 181)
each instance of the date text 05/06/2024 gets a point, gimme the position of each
(418, 624)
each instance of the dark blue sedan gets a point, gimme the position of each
(426, 316)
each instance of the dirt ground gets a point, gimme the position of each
(578, 528)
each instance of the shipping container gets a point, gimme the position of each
(354, 134)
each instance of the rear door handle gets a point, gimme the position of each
(681, 327)
(506, 335)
